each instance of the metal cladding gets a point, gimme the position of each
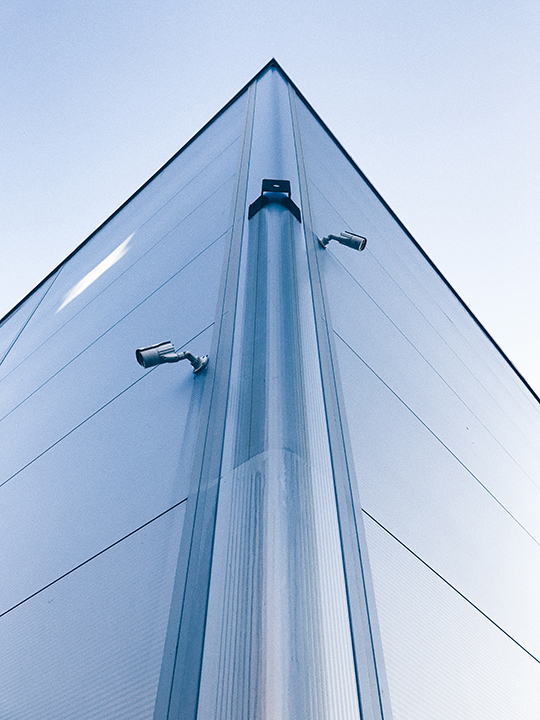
(336, 518)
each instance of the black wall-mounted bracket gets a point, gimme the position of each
(275, 191)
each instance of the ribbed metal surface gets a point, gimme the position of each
(91, 645)
(444, 659)
(200, 547)
(278, 640)
(96, 453)
(270, 648)
(445, 439)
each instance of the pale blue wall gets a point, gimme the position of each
(97, 454)
(95, 449)
(445, 439)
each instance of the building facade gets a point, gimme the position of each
(338, 518)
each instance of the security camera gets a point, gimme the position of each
(356, 242)
(164, 352)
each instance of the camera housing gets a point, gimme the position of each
(350, 239)
(164, 352)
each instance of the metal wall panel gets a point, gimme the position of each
(444, 660)
(106, 367)
(12, 326)
(341, 195)
(90, 645)
(152, 258)
(97, 452)
(445, 438)
(84, 491)
(155, 213)
(417, 489)
(184, 547)
(264, 627)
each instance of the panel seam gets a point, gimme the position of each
(96, 412)
(93, 557)
(366, 614)
(394, 393)
(447, 582)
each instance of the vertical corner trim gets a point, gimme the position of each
(179, 683)
(373, 696)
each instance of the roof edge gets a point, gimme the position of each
(274, 63)
(271, 64)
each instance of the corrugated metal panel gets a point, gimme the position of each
(183, 546)
(97, 453)
(445, 440)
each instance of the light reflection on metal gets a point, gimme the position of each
(94, 274)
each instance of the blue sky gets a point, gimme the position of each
(438, 102)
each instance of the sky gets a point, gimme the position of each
(438, 103)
